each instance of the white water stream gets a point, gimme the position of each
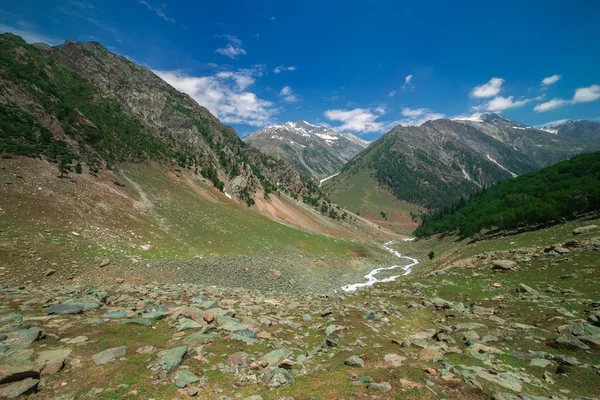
(371, 276)
(328, 178)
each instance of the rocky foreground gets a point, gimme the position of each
(523, 324)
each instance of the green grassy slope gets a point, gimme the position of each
(364, 196)
(180, 217)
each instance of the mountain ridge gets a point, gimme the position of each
(577, 129)
(107, 109)
(441, 161)
(314, 150)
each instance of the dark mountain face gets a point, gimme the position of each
(580, 130)
(99, 108)
(314, 150)
(543, 149)
(443, 160)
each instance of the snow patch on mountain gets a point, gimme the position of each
(501, 166)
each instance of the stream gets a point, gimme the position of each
(371, 278)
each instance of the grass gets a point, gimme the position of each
(194, 227)
(450, 248)
(363, 195)
(466, 285)
(171, 216)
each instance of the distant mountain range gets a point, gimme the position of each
(314, 150)
(575, 129)
(437, 163)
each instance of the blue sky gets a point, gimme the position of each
(354, 65)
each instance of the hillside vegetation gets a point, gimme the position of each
(83, 107)
(435, 165)
(560, 191)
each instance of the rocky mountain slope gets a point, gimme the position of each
(313, 150)
(575, 129)
(94, 108)
(439, 162)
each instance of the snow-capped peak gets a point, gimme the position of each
(307, 130)
(550, 129)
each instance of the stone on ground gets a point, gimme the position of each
(18, 389)
(109, 355)
(64, 309)
(354, 361)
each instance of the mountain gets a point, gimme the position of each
(314, 150)
(561, 191)
(101, 159)
(575, 129)
(93, 108)
(437, 163)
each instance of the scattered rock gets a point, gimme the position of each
(184, 377)
(504, 265)
(394, 360)
(274, 357)
(11, 373)
(354, 361)
(523, 288)
(21, 388)
(430, 354)
(168, 360)
(584, 229)
(382, 386)
(64, 309)
(109, 355)
(239, 358)
(52, 361)
(146, 350)
(208, 317)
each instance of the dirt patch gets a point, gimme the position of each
(358, 253)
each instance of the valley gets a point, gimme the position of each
(148, 251)
(516, 333)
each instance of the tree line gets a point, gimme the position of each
(561, 191)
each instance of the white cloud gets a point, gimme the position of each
(551, 105)
(282, 68)
(380, 110)
(231, 39)
(413, 112)
(28, 32)
(366, 120)
(158, 10)
(587, 94)
(489, 89)
(357, 120)
(416, 116)
(287, 94)
(225, 95)
(551, 79)
(476, 116)
(392, 93)
(231, 51)
(502, 103)
(582, 95)
(552, 123)
(233, 48)
(242, 80)
(407, 84)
